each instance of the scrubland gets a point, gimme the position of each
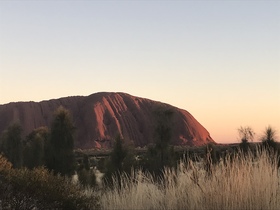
(237, 182)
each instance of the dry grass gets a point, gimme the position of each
(244, 183)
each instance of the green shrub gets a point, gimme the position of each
(38, 188)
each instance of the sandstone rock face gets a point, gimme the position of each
(100, 117)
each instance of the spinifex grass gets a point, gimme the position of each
(241, 182)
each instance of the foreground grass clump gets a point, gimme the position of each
(239, 182)
(40, 189)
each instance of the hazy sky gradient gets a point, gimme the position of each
(219, 60)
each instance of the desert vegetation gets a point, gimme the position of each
(37, 172)
(238, 182)
(40, 189)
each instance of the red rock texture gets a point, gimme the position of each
(100, 117)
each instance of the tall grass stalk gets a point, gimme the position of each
(241, 182)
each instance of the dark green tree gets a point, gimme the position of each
(246, 134)
(121, 160)
(162, 153)
(118, 155)
(269, 139)
(34, 148)
(86, 175)
(86, 163)
(11, 144)
(115, 162)
(59, 152)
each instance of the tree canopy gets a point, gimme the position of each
(59, 152)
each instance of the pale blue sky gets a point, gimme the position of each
(219, 60)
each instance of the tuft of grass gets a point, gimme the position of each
(248, 181)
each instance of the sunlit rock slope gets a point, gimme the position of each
(101, 116)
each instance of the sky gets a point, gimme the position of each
(219, 60)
